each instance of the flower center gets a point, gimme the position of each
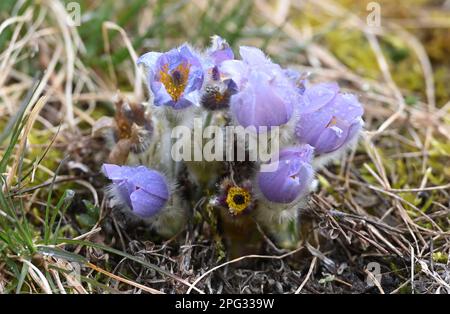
(175, 82)
(238, 199)
(124, 128)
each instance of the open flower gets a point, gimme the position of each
(265, 95)
(237, 198)
(328, 119)
(144, 190)
(218, 90)
(292, 176)
(175, 77)
(217, 94)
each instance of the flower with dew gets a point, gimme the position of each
(265, 96)
(328, 119)
(292, 176)
(175, 77)
(143, 190)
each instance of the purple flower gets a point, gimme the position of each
(292, 176)
(266, 96)
(175, 77)
(144, 190)
(328, 119)
(219, 51)
(218, 90)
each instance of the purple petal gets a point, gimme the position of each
(328, 119)
(304, 152)
(146, 205)
(149, 60)
(161, 97)
(318, 96)
(181, 104)
(151, 181)
(111, 171)
(195, 80)
(191, 57)
(291, 178)
(354, 129)
(260, 104)
(115, 172)
(236, 70)
(168, 63)
(253, 56)
(310, 126)
(139, 187)
(221, 55)
(346, 107)
(329, 140)
(220, 50)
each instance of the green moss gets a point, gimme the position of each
(440, 257)
(51, 159)
(342, 43)
(442, 84)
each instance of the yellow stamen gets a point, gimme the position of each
(218, 96)
(175, 85)
(238, 199)
(124, 129)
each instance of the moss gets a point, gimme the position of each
(51, 159)
(440, 257)
(442, 84)
(342, 43)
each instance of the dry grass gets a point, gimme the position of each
(387, 202)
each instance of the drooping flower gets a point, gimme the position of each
(144, 190)
(292, 176)
(175, 77)
(328, 119)
(266, 96)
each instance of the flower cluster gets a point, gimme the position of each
(316, 123)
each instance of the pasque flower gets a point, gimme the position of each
(328, 119)
(175, 77)
(292, 176)
(218, 90)
(238, 199)
(265, 95)
(144, 190)
(315, 123)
